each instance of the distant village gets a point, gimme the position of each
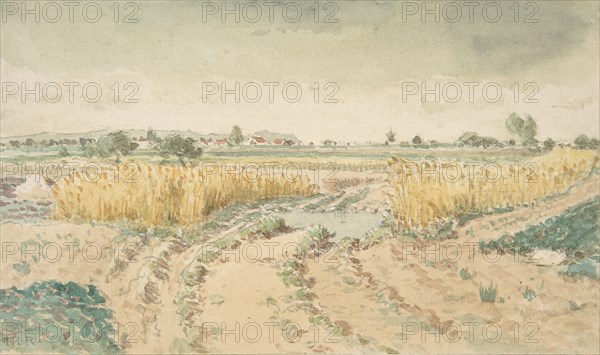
(145, 139)
(223, 142)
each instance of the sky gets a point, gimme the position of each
(365, 63)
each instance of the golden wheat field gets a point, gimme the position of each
(164, 194)
(428, 191)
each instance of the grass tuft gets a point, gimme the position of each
(488, 293)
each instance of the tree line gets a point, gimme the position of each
(523, 129)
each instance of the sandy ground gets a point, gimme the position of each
(394, 296)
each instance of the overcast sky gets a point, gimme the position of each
(371, 54)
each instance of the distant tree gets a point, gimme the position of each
(236, 137)
(84, 141)
(63, 151)
(152, 137)
(585, 142)
(327, 142)
(582, 142)
(15, 144)
(530, 131)
(468, 138)
(29, 142)
(417, 140)
(52, 142)
(549, 144)
(67, 141)
(525, 129)
(512, 142)
(180, 147)
(115, 143)
(390, 136)
(475, 140)
(514, 124)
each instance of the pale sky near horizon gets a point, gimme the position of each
(371, 55)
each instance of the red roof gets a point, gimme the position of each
(259, 139)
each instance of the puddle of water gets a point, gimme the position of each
(344, 225)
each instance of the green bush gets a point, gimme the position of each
(574, 231)
(465, 274)
(268, 228)
(57, 318)
(488, 294)
(586, 267)
(529, 294)
(317, 240)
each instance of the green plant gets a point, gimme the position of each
(465, 274)
(236, 137)
(529, 294)
(317, 240)
(587, 267)
(180, 147)
(76, 318)
(115, 143)
(488, 294)
(573, 231)
(352, 199)
(195, 277)
(268, 227)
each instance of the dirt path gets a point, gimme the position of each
(371, 293)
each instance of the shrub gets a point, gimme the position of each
(76, 317)
(317, 241)
(573, 232)
(529, 294)
(587, 268)
(465, 274)
(488, 294)
(268, 227)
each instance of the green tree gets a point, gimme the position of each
(529, 131)
(585, 142)
(115, 143)
(526, 129)
(236, 137)
(475, 140)
(582, 141)
(417, 140)
(549, 144)
(152, 137)
(390, 136)
(180, 147)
